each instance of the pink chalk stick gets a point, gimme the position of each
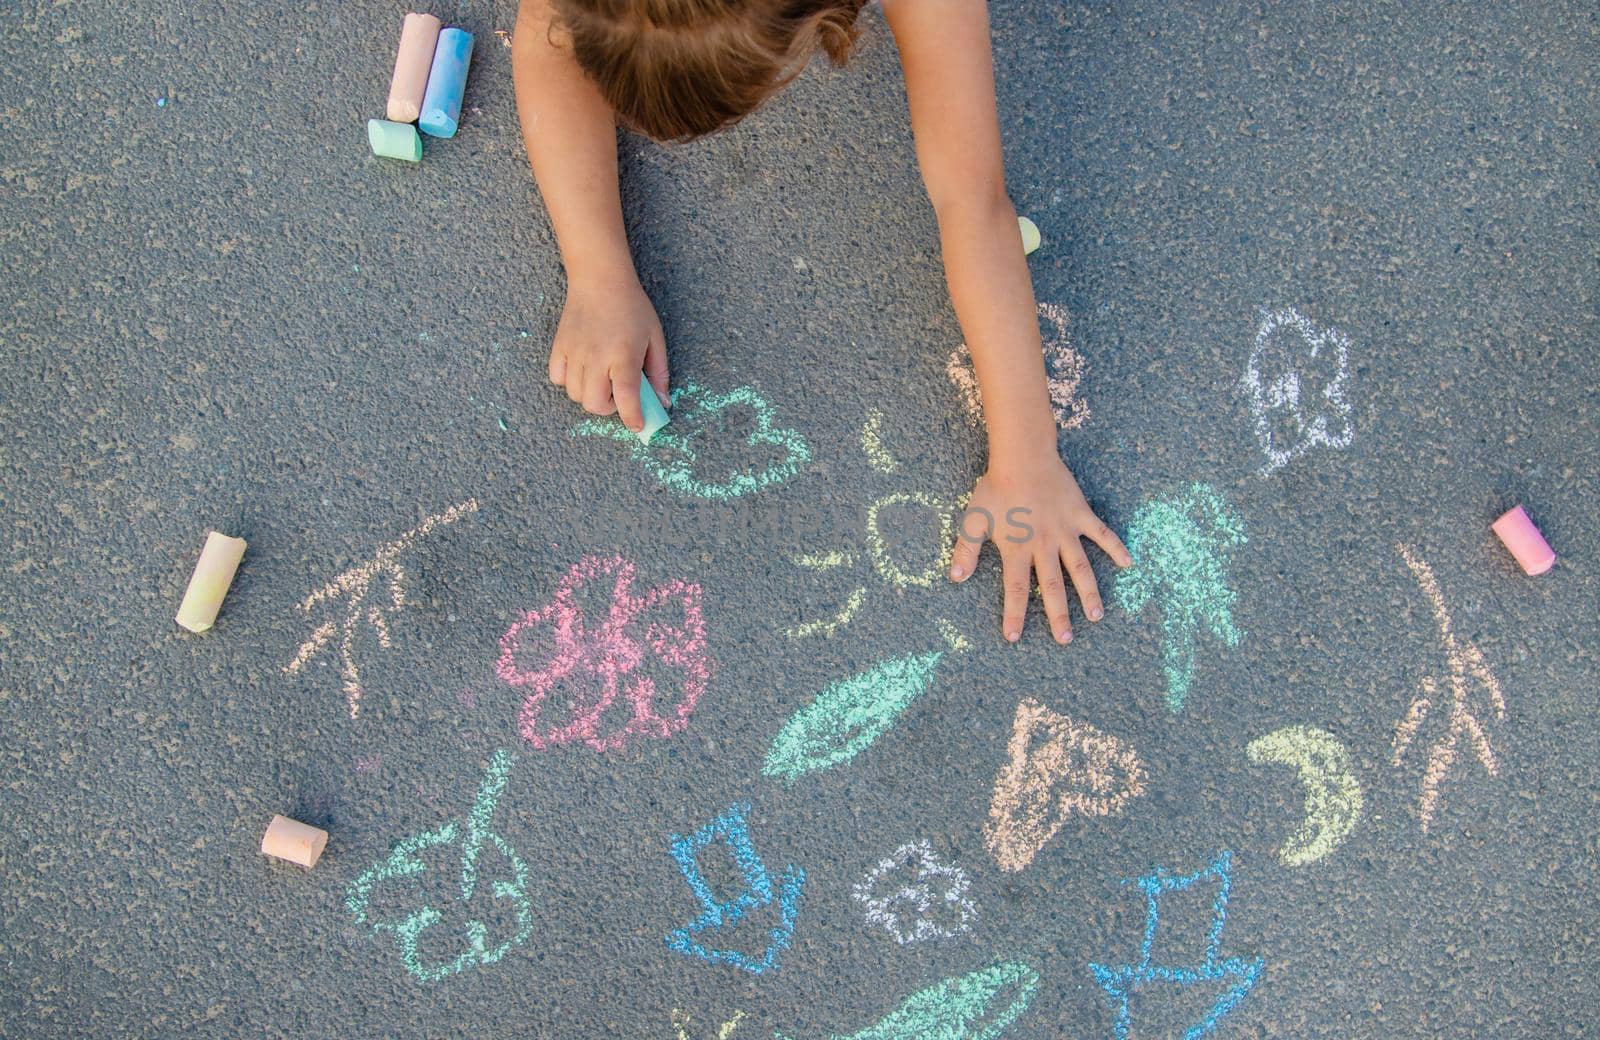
(418, 38)
(1525, 541)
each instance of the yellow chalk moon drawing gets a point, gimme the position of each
(1333, 794)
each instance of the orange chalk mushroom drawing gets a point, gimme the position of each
(1063, 374)
(1466, 666)
(1056, 768)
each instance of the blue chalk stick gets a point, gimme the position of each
(447, 82)
(655, 416)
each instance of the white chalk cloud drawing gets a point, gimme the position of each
(1296, 379)
(914, 896)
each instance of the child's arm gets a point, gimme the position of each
(944, 47)
(609, 331)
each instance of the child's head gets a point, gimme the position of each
(676, 69)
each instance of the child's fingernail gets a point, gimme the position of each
(1096, 614)
(1065, 637)
(956, 572)
(1013, 635)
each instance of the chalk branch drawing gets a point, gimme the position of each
(648, 652)
(848, 716)
(474, 834)
(915, 896)
(673, 456)
(1466, 667)
(758, 893)
(1120, 983)
(355, 587)
(1056, 768)
(1296, 379)
(1063, 373)
(1333, 793)
(980, 1005)
(872, 444)
(680, 1022)
(1179, 548)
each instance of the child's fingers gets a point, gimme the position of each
(1018, 568)
(558, 366)
(1053, 590)
(655, 370)
(1107, 540)
(964, 557)
(1082, 578)
(573, 383)
(597, 391)
(625, 391)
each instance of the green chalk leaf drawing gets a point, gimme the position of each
(1179, 547)
(848, 716)
(980, 1005)
(1333, 793)
(405, 862)
(672, 457)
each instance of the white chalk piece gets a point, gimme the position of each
(212, 576)
(1030, 235)
(294, 841)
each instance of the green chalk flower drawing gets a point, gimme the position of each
(1180, 547)
(672, 457)
(848, 716)
(980, 1005)
(405, 862)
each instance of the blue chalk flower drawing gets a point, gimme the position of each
(473, 834)
(757, 893)
(1179, 547)
(673, 455)
(1121, 982)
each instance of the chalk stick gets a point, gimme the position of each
(447, 82)
(1517, 532)
(1030, 235)
(419, 35)
(209, 583)
(294, 841)
(655, 416)
(394, 140)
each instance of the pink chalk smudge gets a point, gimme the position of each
(1063, 374)
(369, 763)
(596, 658)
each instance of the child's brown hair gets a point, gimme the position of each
(678, 69)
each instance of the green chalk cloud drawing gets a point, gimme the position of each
(977, 1006)
(1180, 547)
(1333, 793)
(672, 456)
(405, 862)
(848, 716)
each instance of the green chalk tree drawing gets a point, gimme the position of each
(1180, 547)
(981, 1005)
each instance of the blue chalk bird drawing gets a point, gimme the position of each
(1180, 547)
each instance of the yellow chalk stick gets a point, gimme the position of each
(1030, 235)
(212, 576)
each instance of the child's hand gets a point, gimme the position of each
(1036, 516)
(608, 334)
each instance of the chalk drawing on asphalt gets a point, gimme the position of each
(1333, 791)
(848, 716)
(758, 892)
(1296, 378)
(681, 1022)
(356, 587)
(1466, 670)
(1063, 374)
(1240, 974)
(475, 835)
(675, 455)
(915, 896)
(1180, 548)
(1055, 769)
(980, 1005)
(872, 444)
(636, 672)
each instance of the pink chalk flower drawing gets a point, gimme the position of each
(1063, 370)
(637, 671)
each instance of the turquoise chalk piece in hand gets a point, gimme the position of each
(655, 416)
(447, 82)
(394, 140)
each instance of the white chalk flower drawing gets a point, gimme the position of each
(914, 896)
(1063, 373)
(1296, 380)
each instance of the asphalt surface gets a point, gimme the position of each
(224, 312)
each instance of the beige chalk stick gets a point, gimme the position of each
(418, 37)
(212, 576)
(294, 841)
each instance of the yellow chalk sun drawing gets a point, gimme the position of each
(885, 562)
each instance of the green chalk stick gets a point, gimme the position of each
(394, 140)
(655, 416)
